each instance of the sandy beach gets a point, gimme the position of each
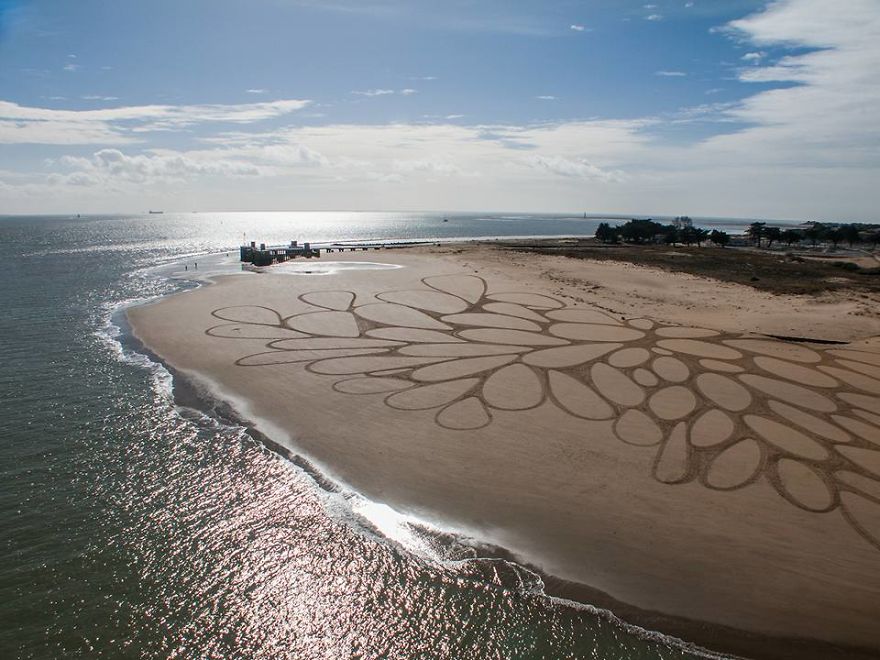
(623, 428)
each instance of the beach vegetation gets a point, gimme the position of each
(719, 238)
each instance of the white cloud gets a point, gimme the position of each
(255, 91)
(453, 116)
(578, 168)
(112, 167)
(374, 92)
(97, 97)
(670, 74)
(546, 97)
(408, 91)
(654, 17)
(71, 67)
(754, 57)
(22, 124)
(577, 28)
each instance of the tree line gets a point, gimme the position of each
(650, 231)
(814, 233)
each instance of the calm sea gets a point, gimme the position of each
(132, 527)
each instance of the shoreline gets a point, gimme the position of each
(696, 632)
(188, 392)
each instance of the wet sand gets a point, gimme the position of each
(722, 485)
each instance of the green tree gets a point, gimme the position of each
(721, 238)
(756, 232)
(640, 231)
(833, 234)
(851, 234)
(790, 236)
(814, 231)
(772, 234)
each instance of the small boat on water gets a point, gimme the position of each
(152, 212)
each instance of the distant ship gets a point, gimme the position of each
(152, 212)
(445, 219)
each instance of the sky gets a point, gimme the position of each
(736, 108)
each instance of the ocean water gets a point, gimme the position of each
(134, 527)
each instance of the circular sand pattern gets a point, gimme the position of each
(724, 411)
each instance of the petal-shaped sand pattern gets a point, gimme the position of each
(431, 396)
(362, 365)
(804, 486)
(867, 369)
(568, 356)
(860, 483)
(254, 314)
(672, 402)
(671, 465)
(329, 324)
(460, 350)
(467, 414)
(795, 372)
(577, 398)
(869, 403)
(867, 432)
(427, 300)
(292, 357)
(412, 335)
(534, 300)
(484, 320)
(468, 287)
(871, 417)
(515, 387)
(314, 343)
(252, 331)
(645, 378)
(594, 332)
(859, 381)
(582, 316)
(677, 332)
(371, 385)
(719, 410)
(615, 385)
(789, 392)
(629, 357)
(867, 459)
(335, 300)
(515, 337)
(724, 391)
(809, 422)
(452, 369)
(786, 438)
(718, 365)
(635, 428)
(671, 369)
(858, 356)
(711, 428)
(777, 349)
(399, 315)
(510, 309)
(863, 514)
(641, 324)
(699, 348)
(735, 466)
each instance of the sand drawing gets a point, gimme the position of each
(725, 410)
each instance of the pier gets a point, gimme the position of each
(267, 255)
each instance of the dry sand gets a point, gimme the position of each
(702, 473)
